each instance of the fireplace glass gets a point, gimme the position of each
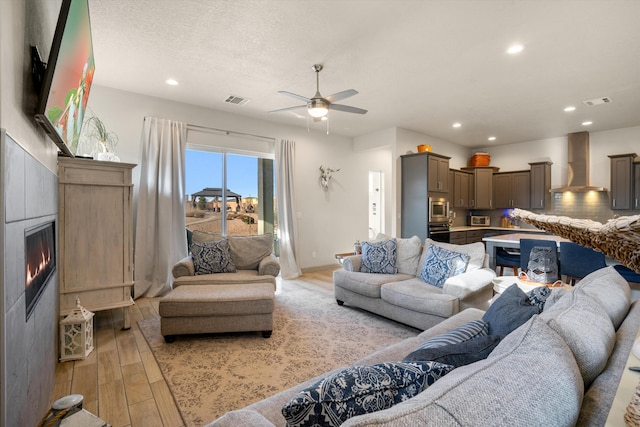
(40, 260)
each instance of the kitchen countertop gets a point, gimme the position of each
(474, 228)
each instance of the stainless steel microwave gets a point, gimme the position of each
(479, 221)
(438, 209)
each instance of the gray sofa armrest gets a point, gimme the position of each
(184, 267)
(469, 282)
(269, 266)
(352, 263)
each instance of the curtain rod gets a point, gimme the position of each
(207, 128)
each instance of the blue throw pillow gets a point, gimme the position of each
(379, 257)
(510, 310)
(538, 296)
(359, 390)
(441, 263)
(212, 257)
(459, 354)
(470, 330)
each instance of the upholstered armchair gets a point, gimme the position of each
(215, 259)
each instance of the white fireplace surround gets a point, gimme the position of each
(29, 347)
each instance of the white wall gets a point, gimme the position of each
(329, 221)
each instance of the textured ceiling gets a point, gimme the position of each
(419, 65)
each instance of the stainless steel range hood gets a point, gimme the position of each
(578, 165)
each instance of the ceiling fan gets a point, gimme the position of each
(318, 107)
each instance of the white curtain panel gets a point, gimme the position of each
(287, 226)
(160, 222)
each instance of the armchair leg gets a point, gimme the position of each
(340, 302)
(266, 334)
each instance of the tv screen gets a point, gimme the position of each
(68, 76)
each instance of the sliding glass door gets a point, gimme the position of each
(229, 193)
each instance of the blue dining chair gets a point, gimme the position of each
(507, 259)
(525, 250)
(629, 275)
(576, 261)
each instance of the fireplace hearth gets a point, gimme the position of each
(40, 260)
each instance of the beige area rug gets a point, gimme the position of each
(213, 374)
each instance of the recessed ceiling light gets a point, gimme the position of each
(569, 109)
(587, 123)
(492, 138)
(457, 125)
(171, 82)
(516, 48)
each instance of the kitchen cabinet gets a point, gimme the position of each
(474, 236)
(540, 185)
(621, 181)
(438, 173)
(461, 189)
(636, 186)
(95, 235)
(417, 174)
(511, 189)
(482, 186)
(465, 237)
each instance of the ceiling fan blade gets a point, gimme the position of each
(288, 109)
(293, 95)
(347, 109)
(341, 95)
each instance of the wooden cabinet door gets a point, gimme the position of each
(483, 178)
(438, 173)
(520, 187)
(460, 185)
(540, 185)
(621, 168)
(502, 190)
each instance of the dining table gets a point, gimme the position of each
(513, 241)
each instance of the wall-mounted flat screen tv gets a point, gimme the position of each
(68, 76)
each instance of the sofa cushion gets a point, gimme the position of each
(408, 255)
(510, 310)
(476, 252)
(587, 330)
(465, 332)
(530, 379)
(358, 390)
(611, 290)
(248, 251)
(212, 257)
(440, 264)
(415, 295)
(202, 237)
(459, 354)
(379, 257)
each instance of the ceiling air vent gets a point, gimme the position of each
(238, 100)
(597, 101)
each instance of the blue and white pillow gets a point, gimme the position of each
(379, 257)
(360, 390)
(441, 263)
(538, 296)
(466, 332)
(212, 257)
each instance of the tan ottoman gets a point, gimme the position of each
(200, 309)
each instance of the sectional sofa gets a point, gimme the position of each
(559, 368)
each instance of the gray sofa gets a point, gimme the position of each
(560, 368)
(404, 297)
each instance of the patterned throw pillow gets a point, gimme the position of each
(212, 257)
(538, 296)
(470, 330)
(379, 257)
(460, 354)
(359, 390)
(440, 264)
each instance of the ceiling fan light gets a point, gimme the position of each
(318, 111)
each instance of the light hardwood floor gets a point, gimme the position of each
(121, 381)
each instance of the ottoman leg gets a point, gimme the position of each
(169, 338)
(266, 334)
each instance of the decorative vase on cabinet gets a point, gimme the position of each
(95, 235)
